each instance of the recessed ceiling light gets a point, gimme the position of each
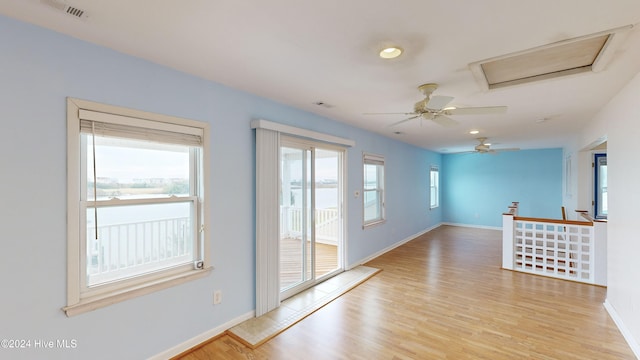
(391, 52)
(473, 132)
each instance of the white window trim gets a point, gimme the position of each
(78, 303)
(432, 168)
(372, 159)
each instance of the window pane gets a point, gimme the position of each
(138, 239)
(370, 176)
(434, 197)
(434, 184)
(134, 169)
(373, 194)
(371, 206)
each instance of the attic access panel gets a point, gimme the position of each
(572, 56)
(549, 62)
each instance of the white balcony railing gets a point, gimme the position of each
(130, 249)
(565, 249)
(327, 223)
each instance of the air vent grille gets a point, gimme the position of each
(74, 11)
(66, 8)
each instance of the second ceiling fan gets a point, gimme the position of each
(434, 108)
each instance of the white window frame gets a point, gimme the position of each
(373, 159)
(80, 297)
(434, 204)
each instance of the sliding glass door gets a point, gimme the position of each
(311, 224)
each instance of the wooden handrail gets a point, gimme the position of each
(554, 221)
(585, 214)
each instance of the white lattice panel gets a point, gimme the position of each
(559, 250)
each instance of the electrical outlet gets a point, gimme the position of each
(217, 297)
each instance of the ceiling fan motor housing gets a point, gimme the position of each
(420, 106)
(482, 148)
(427, 89)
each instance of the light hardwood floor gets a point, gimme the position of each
(444, 296)
(291, 263)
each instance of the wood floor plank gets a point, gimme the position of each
(291, 260)
(444, 296)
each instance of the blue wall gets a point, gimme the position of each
(477, 188)
(38, 70)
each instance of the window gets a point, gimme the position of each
(373, 194)
(136, 203)
(434, 185)
(600, 203)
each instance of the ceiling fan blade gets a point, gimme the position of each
(506, 149)
(405, 120)
(404, 113)
(463, 152)
(438, 102)
(444, 121)
(477, 110)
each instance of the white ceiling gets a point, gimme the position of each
(300, 52)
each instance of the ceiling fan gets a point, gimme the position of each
(485, 148)
(435, 108)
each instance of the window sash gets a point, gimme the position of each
(195, 167)
(375, 212)
(434, 180)
(147, 270)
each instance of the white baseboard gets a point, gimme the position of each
(389, 248)
(474, 226)
(199, 339)
(633, 344)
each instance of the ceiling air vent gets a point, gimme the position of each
(323, 104)
(584, 54)
(74, 11)
(66, 8)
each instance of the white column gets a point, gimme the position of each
(600, 251)
(507, 241)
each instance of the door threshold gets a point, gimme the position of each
(255, 332)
